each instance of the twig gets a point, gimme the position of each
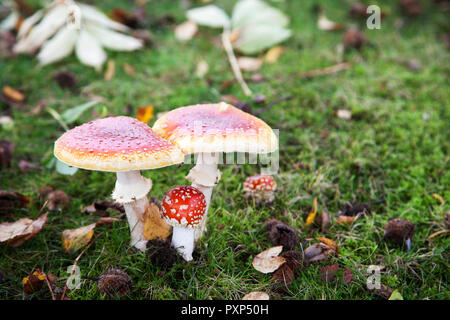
(233, 62)
(49, 287)
(195, 271)
(75, 264)
(325, 71)
(270, 105)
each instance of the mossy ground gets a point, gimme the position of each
(395, 147)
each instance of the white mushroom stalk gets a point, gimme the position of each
(204, 176)
(66, 26)
(131, 190)
(183, 241)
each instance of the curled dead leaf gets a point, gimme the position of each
(10, 200)
(16, 233)
(256, 295)
(145, 114)
(319, 252)
(269, 260)
(33, 282)
(155, 228)
(75, 239)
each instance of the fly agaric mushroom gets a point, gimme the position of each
(123, 145)
(184, 208)
(261, 187)
(208, 130)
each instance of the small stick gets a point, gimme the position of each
(49, 287)
(325, 71)
(195, 272)
(233, 62)
(75, 264)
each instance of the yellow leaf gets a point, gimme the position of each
(312, 214)
(273, 54)
(154, 226)
(75, 239)
(328, 242)
(145, 114)
(438, 197)
(13, 94)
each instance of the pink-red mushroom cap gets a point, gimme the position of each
(260, 183)
(115, 144)
(184, 206)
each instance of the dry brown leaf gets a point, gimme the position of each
(269, 260)
(273, 54)
(145, 114)
(346, 219)
(318, 252)
(154, 226)
(186, 31)
(312, 214)
(10, 200)
(13, 94)
(249, 63)
(256, 295)
(16, 233)
(129, 69)
(327, 25)
(33, 282)
(75, 239)
(110, 70)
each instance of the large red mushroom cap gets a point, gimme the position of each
(115, 144)
(184, 206)
(260, 183)
(217, 127)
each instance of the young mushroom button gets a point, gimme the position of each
(183, 208)
(123, 145)
(261, 187)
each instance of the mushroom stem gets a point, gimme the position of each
(183, 241)
(204, 176)
(131, 190)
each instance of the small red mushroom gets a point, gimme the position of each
(184, 208)
(261, 187)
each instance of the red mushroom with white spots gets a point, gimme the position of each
(123, 145)
(261, 187)
(184, 208)
(208, 130)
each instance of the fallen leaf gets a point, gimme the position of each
(344, 114)
(345, 220)
(129, 69)
(6, 153)
(145, 114)
(16, 233)
(249, 63)
(75, 239)
(256, 295)
(13, 94)
(186, 31)
(154, 226)
(318, 252)
(329, 242)
(347, 275)
(330, 272)
(202, 68)
(65, 79)
(312, 214)
(268, 261)
(10, 200)
(273, 54)
(25, 165)
(438, 197)
(34, 282)
(395, 295)
(323, 23)
(110, 70)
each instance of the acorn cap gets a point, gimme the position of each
(216, 127)
(184, 206)
(115, 144)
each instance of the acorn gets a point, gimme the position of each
(114, 282)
